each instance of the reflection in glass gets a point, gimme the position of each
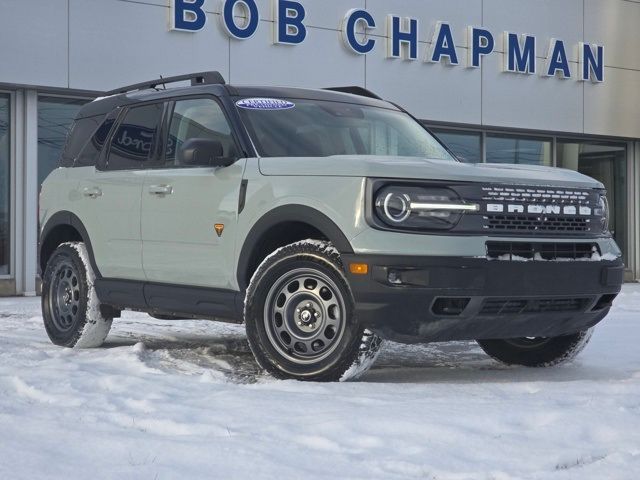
(466, 146)
(199, 118)
(55, 116)
(516, 149)
(607, 163)
(5, 184)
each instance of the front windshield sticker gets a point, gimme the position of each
(265, 104)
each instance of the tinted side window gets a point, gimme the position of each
(198, 118)
(80, 132)
(133, 144)
(89, 154)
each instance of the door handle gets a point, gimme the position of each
(161, 190)
(92, 192)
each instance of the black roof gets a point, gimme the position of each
(104, 105)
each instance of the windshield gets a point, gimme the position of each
(313, 128)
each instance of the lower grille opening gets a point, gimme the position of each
(514, 306)
(605, 301)
(535, 224)
(547, 251)
(452, 307)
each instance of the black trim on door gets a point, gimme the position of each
(174, 300)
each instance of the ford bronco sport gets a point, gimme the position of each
(325, 220)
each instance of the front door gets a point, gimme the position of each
(189, 212)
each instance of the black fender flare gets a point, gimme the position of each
(289, 213)
(65, 218)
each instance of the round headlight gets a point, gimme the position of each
(397, 206)
(413, 207)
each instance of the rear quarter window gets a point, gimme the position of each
(90, 153)
(80, 133)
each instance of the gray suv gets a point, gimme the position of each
(325, 220)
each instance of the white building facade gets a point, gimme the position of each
(545, 82)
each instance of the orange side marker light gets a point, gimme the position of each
(359, 268)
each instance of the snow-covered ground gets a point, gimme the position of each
(185, 400)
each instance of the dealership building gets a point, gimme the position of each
(545, 82)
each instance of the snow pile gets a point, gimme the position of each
(186, 400)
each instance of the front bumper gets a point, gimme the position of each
(452, 298)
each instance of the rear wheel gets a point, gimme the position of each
(300, 317)
(537, 351)
(70, 307)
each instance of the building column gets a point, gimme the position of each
(30, 195)
(17, 197)
(635, 189)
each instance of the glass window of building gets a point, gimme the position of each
(55, 117)
(606, 162)
(467, 146)
(518, 149)
(5, 183)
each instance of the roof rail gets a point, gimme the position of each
(202, 78)
(354, 90)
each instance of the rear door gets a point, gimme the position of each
(182, 204)
(111, 194)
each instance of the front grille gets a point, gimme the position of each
(515, 306)
(522, 210)
(547, 251)
(533, 223)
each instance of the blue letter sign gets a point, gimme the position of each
(229, 22)
(519, 58)
(399, 37)
(241, 20)
(480, 42)
(352, 20)
(289, 28)
(187, 15)
(557, 60)
(591, 65)
(443, 45)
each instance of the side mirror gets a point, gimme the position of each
(202, 152)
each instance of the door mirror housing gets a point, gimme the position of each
(203, 152)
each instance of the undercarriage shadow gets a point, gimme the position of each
(453, 362)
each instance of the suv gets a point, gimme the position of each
(325, 220)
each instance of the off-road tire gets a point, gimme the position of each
(546, 352)
(70, 306)
(354, 348)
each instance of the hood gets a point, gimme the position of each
(424, 169)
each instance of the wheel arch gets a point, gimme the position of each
(282, 226)
(60, 228)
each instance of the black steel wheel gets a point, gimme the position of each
(70, 308)
(300, 317)
(304, 315)
(64, 295)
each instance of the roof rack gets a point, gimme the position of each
(354, 90)
(202, 78)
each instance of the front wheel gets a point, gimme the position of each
(300, 320)
(537, 351)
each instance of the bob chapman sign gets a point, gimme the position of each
(240, 20)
